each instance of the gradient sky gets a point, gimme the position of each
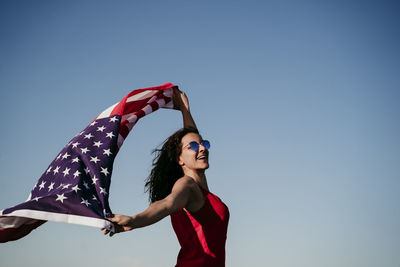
(300, 100)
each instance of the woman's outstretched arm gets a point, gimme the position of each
(181, 102)
(184, 194)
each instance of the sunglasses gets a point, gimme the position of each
(195, 146)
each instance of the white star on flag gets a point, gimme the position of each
(84, 201)
(84, 150)
(88, 136)
(94, 159)
(36, 198)
(66, 186)
(75, 145)
(76, 174)
(86, 185)
(107, 152)
(98, 143)
(76, 188)
(56, 170)
(100, 129)
(51, 186)
(66, 171)
(61, 197)
(41, 186)
(110, 134)
(105, 171)
(94, 179)
(103, 191)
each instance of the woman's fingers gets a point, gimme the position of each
(112, 219)
(180, 99)
(120, 224)
(106, 232)
(177, 98)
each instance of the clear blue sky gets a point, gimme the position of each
(300, 100)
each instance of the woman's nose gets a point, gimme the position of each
(201, 148)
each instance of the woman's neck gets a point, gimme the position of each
(198, 176)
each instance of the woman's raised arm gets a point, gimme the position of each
(181, 102)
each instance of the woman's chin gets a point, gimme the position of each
(206, 166)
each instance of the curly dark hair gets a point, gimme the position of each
(166, 170)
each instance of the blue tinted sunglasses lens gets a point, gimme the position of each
(194, 145)
(206, 144)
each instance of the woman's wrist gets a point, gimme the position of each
(185, 111)
(131, 222)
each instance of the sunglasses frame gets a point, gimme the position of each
(195, 146)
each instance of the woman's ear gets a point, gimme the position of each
(180, 162)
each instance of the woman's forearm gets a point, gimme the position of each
(158, 210)
(154, 213)
(188, 119)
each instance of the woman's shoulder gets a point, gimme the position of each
(186, 181)
(196, 199)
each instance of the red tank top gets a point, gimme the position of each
(202, 234)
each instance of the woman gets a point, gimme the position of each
(178, 187)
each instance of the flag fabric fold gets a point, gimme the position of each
(75, 186)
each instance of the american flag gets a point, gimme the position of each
(75, 186)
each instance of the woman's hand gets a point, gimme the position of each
(180, 99)
(122, 223)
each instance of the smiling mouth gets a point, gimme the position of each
(203, 157)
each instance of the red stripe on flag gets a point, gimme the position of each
(10, 234)
(124, 130)
(135, 105)
(154, 105)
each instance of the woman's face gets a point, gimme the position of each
(191, 159)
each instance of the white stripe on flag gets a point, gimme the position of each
(170, 104)
(142, 95)
(59, 217)
(120, 140)
(168, 93)
(106, 113)
(147, 109)
(160, 102)
(132, 121)
(131, 117)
